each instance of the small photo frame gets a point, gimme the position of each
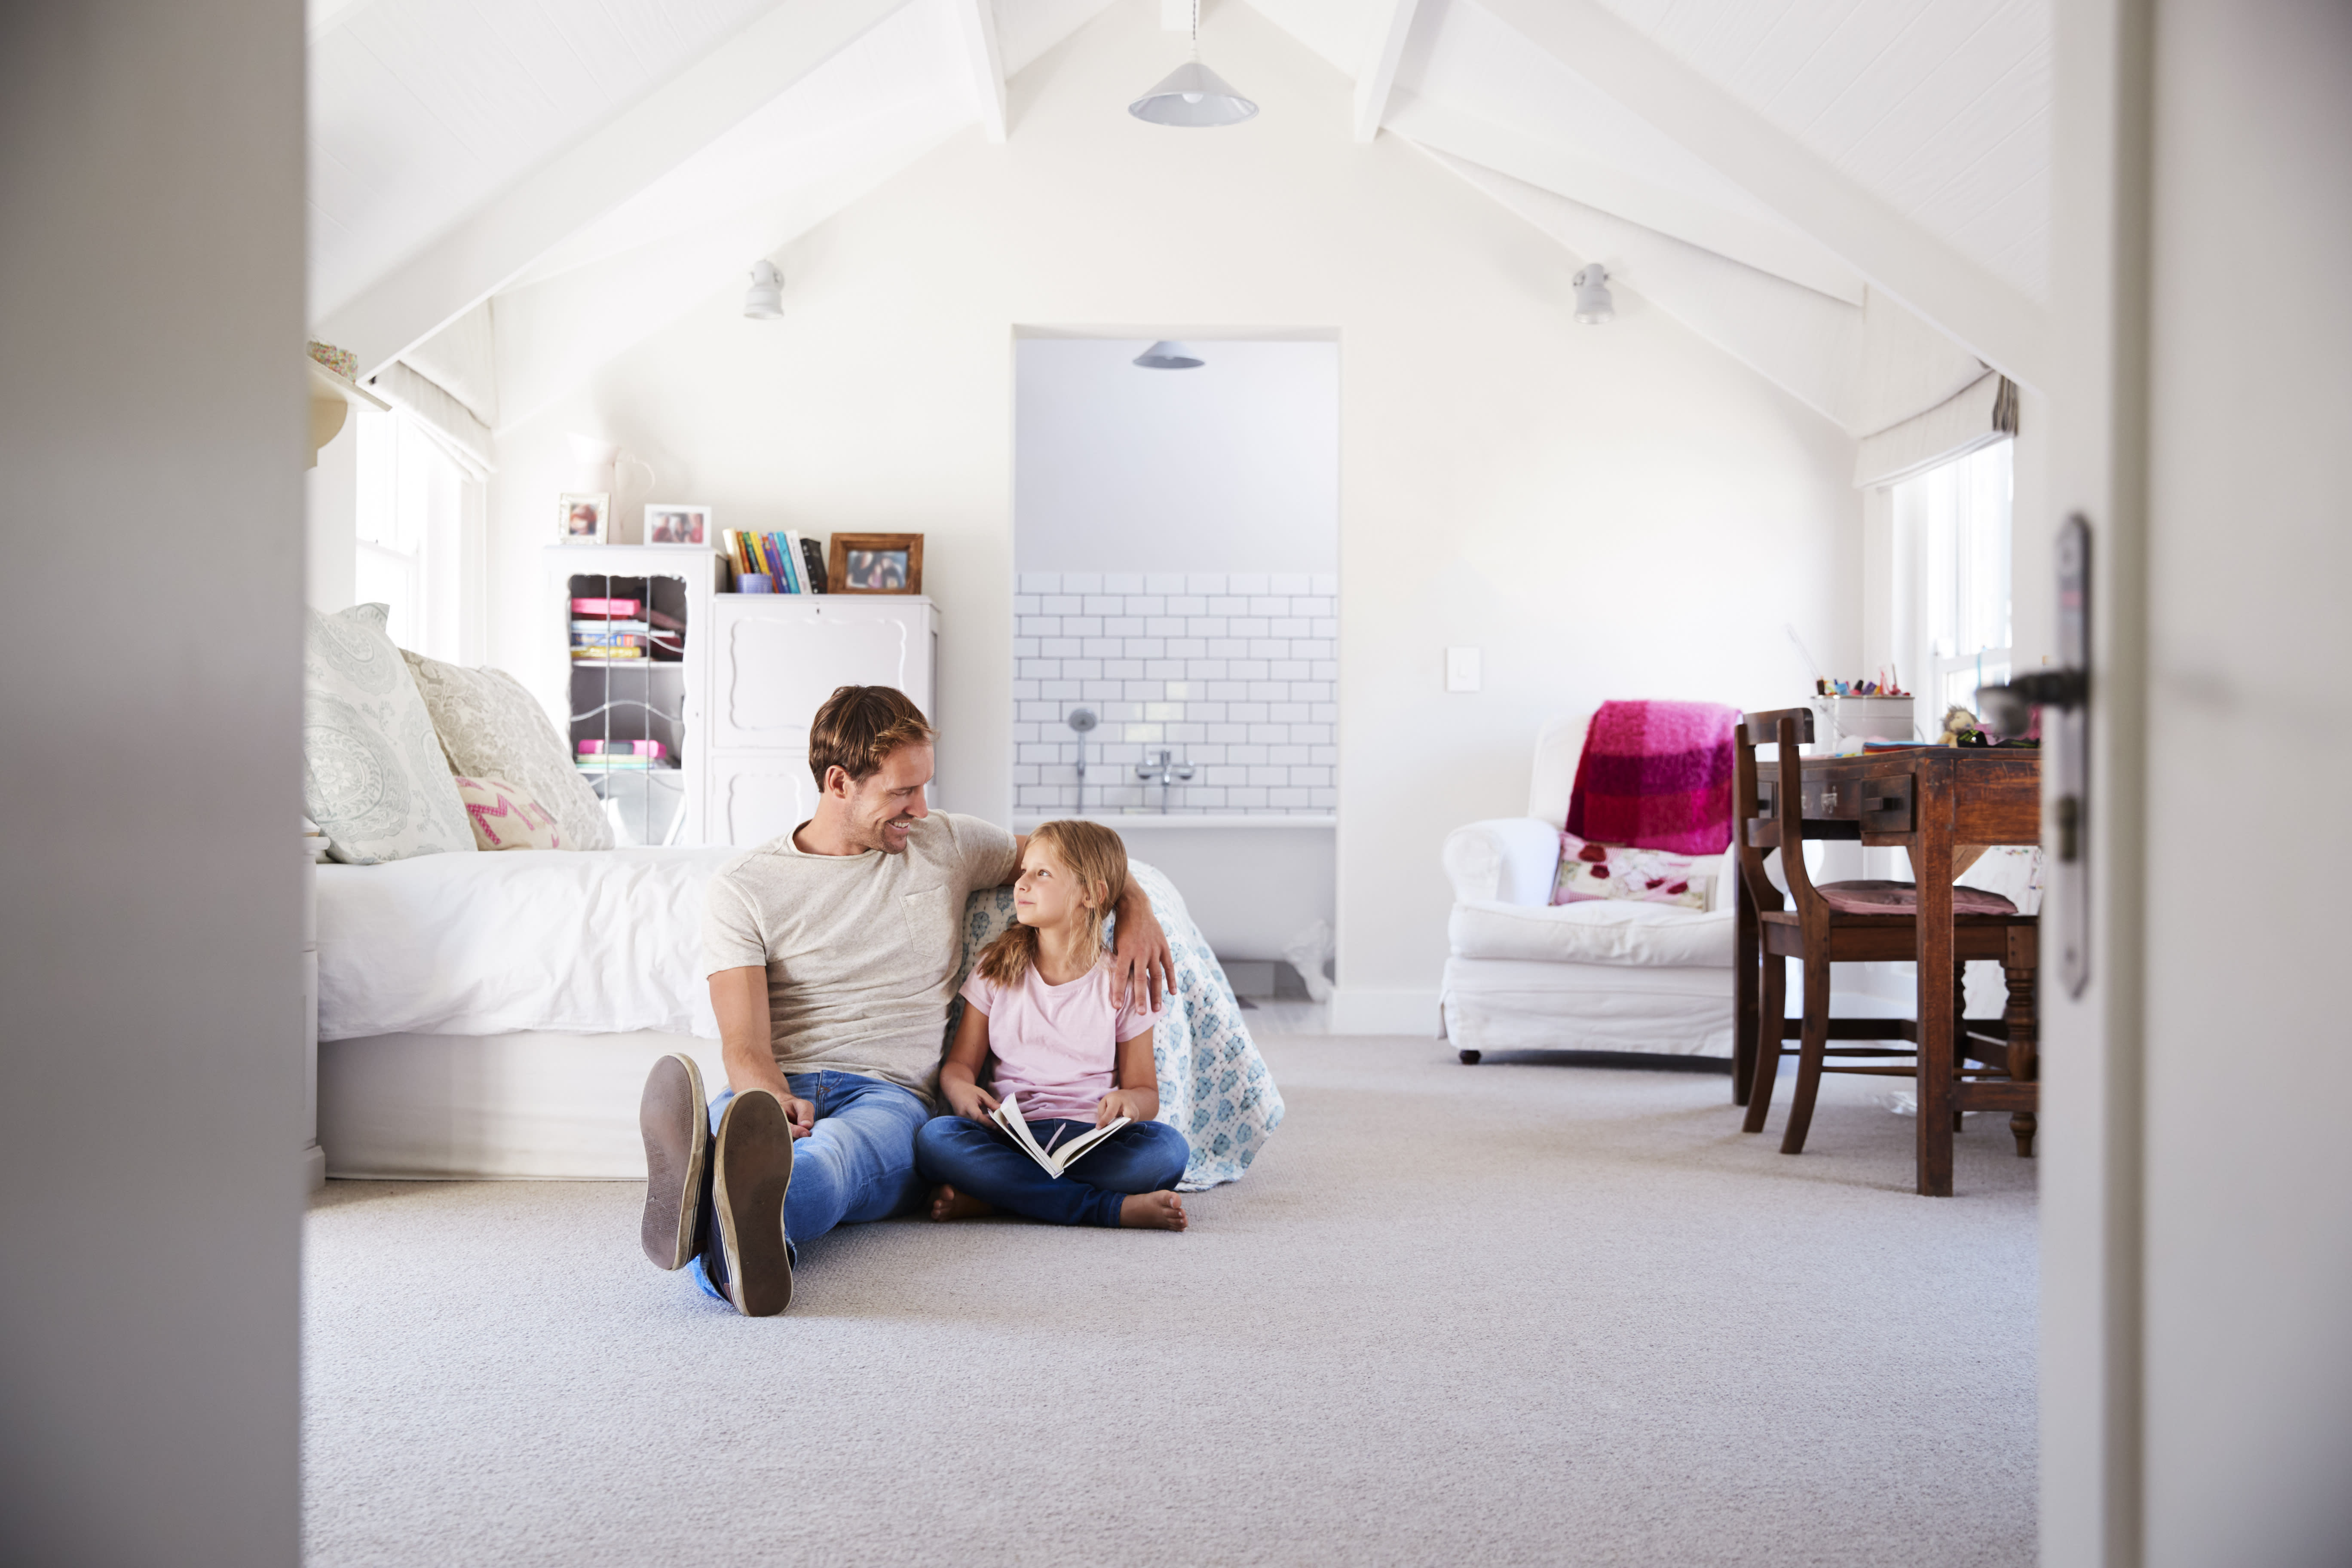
(875, 564)
(583, 516)
(676, 523)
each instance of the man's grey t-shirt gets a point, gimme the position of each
(861, 950)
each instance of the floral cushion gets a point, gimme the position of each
(1213, 1085)
(372, 774)
(1590, 872)
(505, 818)
(492, 728)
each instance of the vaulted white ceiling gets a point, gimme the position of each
(1888, 151)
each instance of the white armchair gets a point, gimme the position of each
(1610, 976)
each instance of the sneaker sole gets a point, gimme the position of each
(673, 1117)
(753, 1171)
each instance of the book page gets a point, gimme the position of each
(1068, 1153)
(1007, 1115)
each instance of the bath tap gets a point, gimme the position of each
(1166, 771)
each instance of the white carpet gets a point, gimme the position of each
(1498, 1314)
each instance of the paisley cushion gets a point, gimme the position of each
(372, 774)
(492, 728)
(1902, 899)
(505, 818)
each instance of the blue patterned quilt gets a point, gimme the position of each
(1213, 1085)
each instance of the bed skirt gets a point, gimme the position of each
(529, 1106)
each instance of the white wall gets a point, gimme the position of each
(1613, 511)
(154, 424)
(1232, 465)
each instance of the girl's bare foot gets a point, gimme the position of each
(1153, 1211)
(948, 1204)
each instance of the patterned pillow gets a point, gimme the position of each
(505, 818)
(372, 773)
(1589, 872)
(492, 728)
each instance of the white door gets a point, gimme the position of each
(777, 659)
(753, 800)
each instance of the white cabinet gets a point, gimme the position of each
(773, 661)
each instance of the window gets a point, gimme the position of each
(417, 525)
(1953, 522)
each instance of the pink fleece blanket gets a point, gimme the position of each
(1657, 775)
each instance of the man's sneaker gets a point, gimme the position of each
(752, 1169)
(676, 1126)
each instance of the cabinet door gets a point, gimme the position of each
(778, 658)
(753, 800)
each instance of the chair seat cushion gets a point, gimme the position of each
(1613, 932)
(1902, 899)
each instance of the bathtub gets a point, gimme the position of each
(1252, 882)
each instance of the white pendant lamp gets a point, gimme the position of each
(1593, 305)
(1192, 95)
(1168, 354)
(765, 302)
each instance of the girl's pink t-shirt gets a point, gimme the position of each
(1056, 1047)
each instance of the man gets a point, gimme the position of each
(832, 954)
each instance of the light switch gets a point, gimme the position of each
(1462, 670)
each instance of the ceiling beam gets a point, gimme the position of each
(977, 20)
(1993, 318)
(496, 242)
(1379, 78)
(1753, 241)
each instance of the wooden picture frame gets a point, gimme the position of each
(875, 564)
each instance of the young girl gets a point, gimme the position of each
(1039, 1004)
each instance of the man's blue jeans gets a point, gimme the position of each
(976, 1157)
(859, 1163)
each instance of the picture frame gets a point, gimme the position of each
(584, 517)
(875, 564)
(679, 522)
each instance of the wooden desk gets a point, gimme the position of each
(1925, 800)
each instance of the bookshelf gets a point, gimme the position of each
(634, 618)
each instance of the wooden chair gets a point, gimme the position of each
(1856, 922)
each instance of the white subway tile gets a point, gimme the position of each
(1228, 734)
(1188, 648)
(1143, 647)
(1316, 735)
(1204, 626)
(1287, 798)
(1040, 582)
(1040, 625)
(1289, 756)
(1326, 627)
(1248, 669)
(1310, 777)
(1163, 669)
(1271, 735)
(1024, 647)
(1103, 690)
(1290, 713)
(1106, 604)
(1178, 690)
(1203, 712)
(1223, 775)
(1316, 606)
(1102, 648)
(1268, 604)
(1226, 690)
(1323, 799)
(1039, 752)
(1188, 604)
(1269, 648)
(1245, 583)
(1269, 690)
(1203, 753)
(1311, 690)
(1122, 582)
(1025, 604)
(1288, 626)
(1143, 690)
(1185, 734)
(1060, 648)
(1079, 626)
(1246, 799)
(1204, 581)
(1024, 772)
(1149, 734)
(1310, 647)
(1023, 689)
(1204, 669)
(1247, 713)
(1056, 690)
(1323, 712)
(1293, 670)
(1203, 796)
(1325, 583)
(1040, 712)
(1325, 669)
(1123, 625)
(1120, 753)
(1123, 669)
(1163, 712)
(1027, 730)
(1323, 756)
(1040, 668)
(1164, 582)
(1062, 605)
(1290, 583)
(1082, 669)
(1228, 648)
(1247, 626)
(1081, 582)
(1269, 774)
(1255, 756)
(1147, 603)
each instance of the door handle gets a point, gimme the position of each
(2063, 695)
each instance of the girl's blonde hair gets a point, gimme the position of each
(1093, 855)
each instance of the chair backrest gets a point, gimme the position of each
(1755, 832)
(1558, 747)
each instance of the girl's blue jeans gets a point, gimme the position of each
(977, 1158)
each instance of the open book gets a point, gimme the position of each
(1064, 1153)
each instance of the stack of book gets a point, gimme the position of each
(605, 756)
(605, 629)
(791, 563)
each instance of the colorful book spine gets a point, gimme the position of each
(607, 609)
(622, 749)
(608, 653)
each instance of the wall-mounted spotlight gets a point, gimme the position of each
(1593, 305)
(766, 299)
(1168, 354)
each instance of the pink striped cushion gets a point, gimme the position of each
(1902, 899)
(505, 818)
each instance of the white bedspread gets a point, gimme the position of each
(595, 942)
